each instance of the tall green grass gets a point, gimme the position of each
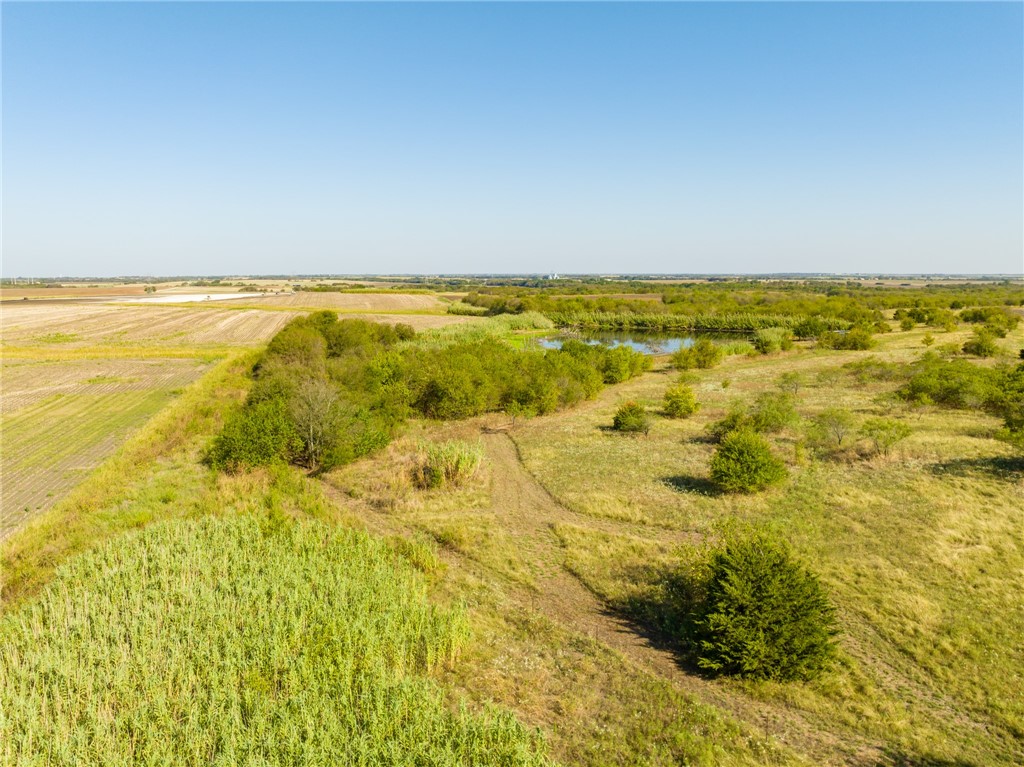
(238, 641)
(488, 328)
(442, 464)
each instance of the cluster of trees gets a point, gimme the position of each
(329, 391)
(962, 385)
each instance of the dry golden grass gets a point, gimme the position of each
(923, 550)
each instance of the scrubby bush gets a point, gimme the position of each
(743, 463)
(631, 417)
(831, 426)
(257, 435)
(790, 382)
(736, 417)
(907, 323)
(703, 354)
(954, 383)
(771, 340)
(764, 614)
(680, 401)
(773, 412)
(810, 327)
(622, 363)
(997, 320)
(884, 433)
(444, 464)
(857, 338)
(982, 343)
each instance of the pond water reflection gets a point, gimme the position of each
(647, 343)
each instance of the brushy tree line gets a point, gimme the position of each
(327, 391)
(850, 301)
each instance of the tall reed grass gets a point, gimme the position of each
(238, 641)
(441, 464)
(488, 328)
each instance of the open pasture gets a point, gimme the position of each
(61, 419)
(922, 549)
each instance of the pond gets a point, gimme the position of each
(647, 343)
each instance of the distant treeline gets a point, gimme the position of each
(710, 323)
(849, 301)
(329, 391)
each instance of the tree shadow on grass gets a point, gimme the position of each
(661, 611)
(900, 759)
(998, 467)
(685, 483)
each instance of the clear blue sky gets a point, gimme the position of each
(187, 138)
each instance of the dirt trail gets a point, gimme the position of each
(527, 512)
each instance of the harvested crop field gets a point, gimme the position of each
(78, 324)
(60, 420)
(352, 302)
(17, 294)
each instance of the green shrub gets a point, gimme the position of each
(735, 418)
(443, 464)
(907, 323)
(884, 433)
(743, 463)
(631, 417)
(773, 412)
(764, 614)
(680, 401)
(811, 327)
(257, 435)
(771, 340)
(858, 339)
(982, 343)
(954, 383)
(703, 354)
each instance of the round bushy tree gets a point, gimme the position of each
(743, 463)
(631, 417)
(680, 401)
(703, 354)
(764, 615)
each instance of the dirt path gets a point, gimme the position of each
(527, 512)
